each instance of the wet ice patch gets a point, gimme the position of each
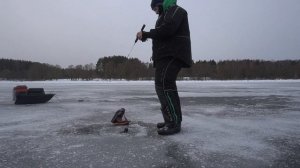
(220, 138)
(137, 129)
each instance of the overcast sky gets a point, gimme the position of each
(65, 32)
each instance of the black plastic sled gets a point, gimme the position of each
(22, 95)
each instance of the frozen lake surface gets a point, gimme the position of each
(225, 124)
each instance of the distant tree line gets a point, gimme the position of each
(243, 69)
(120, 67)
(27, 70)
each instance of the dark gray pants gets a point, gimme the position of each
(166, 73)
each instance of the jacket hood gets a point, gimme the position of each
(168, 3)
(156, 2)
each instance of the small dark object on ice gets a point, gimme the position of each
(125, 130)
(118, 118)
(23, 95)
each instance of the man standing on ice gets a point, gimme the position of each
(171, 52)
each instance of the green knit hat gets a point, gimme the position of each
(168, 3)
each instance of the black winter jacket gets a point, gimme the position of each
(171, 36)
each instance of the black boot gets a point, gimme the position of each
(165, 114)
(169, 130)
(160, 125)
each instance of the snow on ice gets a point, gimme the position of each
(225, 124)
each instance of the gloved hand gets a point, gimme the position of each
(141, 36)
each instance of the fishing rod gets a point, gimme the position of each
(142, 29)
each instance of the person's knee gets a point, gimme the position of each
(169, 85)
